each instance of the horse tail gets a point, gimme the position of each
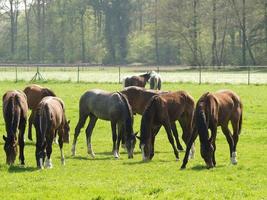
(17, 114)
(159, 84)
(201, 124)
(9, 115)
(241, 119)
(45, 122)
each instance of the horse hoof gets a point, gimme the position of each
(63, 162)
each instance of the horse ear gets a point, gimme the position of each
(4, 138)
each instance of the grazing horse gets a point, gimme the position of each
(35, 94)
(139, 97)
(163, 110)
(213, 110)
(155, 81)
(113, 107)
(15, 110)
(50, 120)
(139, 81)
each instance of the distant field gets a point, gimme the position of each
(109, 74)
(106, 178)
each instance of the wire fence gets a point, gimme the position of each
(104, 73)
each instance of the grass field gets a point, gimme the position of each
(107, 178)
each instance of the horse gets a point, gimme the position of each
(139, 97)
(50, 119)
(139, 80)
(35, 93)
(113, 107)
(155, 81)
(15, 110)
(214, 110)
(165, 109)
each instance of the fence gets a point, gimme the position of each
(101, 73)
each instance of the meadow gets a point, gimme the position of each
(107, 178)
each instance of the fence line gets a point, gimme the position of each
(108, 73)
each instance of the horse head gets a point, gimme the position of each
(10, 148)
(130, 145)
(207, 151)
(66, 131)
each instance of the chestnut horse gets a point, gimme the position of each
(139, 97)
(50, 120)
(213, 110)
(35, 94)
(15, 110)
(113, 107)
(155, 81)
(140, 80)
(165, 109)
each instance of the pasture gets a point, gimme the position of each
(106, 178)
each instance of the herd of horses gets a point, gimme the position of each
(157, 108)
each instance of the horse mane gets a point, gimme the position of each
(146, 119)
(129, 119)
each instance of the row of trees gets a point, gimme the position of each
(189, 32)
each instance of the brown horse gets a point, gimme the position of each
(139, 81)
(15, 110)
(213, 110)
(50, 120)
(163, 110)
(35, 94)
(139, 97)
(113, 107)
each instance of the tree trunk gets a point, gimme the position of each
(12, 26)
(265, 17)
(27, 30)
(195, 42)
(214, 33)
(244, 59)
(156, 33)
(82, 35)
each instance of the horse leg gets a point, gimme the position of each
(78, 127)
(213, 140)
(115, 148)
(48, 162)
(60, 142)
(89, 131)
(155, 131)
(22, 127)
(230, 141)
(175, 134)
(167, 127)
(31, 118)
(236, 130)
(188, 148)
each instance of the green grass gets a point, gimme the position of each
(107, 178)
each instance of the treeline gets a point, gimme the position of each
(184, 32)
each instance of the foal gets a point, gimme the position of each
(213, 110)
(139, 81)
(163, 110)
(50, 120)
(155, 81)
(15, 115)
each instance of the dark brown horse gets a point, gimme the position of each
(165, 109)
(213, 110)
(139, 97)
(35, 94)
(113, 107)
(15, 110)
(139, 81)
(50, 120)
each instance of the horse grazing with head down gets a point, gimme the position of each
(138, 99)
(113, 107)
(139, 80)
(155, 81)
(213, 110)
(15, 110)
(165, 109)
(35, 94)
(50, 119)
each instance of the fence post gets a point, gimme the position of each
(78, 74)
(248, 75)
(200, 74)
(16, 73)
(119, 74)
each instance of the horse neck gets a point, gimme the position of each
(146, 123)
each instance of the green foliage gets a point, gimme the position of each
(106, 178)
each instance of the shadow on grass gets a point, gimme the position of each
(20, 169)
(203, 167)
(90, 158)
(135, 162)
